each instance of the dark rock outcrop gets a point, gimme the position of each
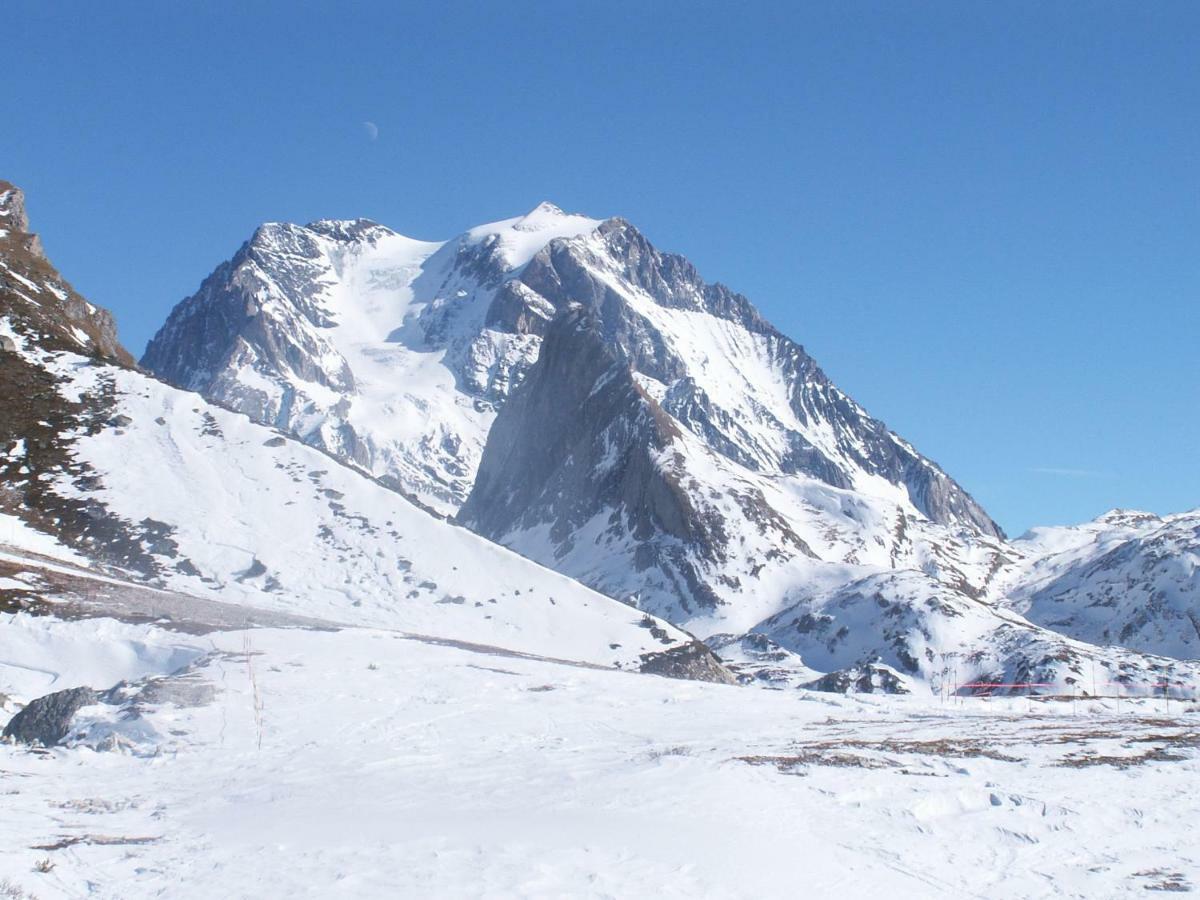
(582, 439)
(38, 303)
(693, 661)
(870, 678)
(47, 720)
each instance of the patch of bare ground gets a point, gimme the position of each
(67, 591)
(1141, 741)
(108, 840)
(789, 764)
(1164, 880)
(875, 754)
(1168, 750)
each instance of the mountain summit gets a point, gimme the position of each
(396, 354)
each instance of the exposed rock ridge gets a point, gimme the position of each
(37, 303)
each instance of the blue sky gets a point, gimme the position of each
(982, 219)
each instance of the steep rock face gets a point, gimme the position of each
(38, 306)
(745, 389)
(676, 451)
(1128, 578)
(585, 470)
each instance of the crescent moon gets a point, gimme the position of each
(371, 129)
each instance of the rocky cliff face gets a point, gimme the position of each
(584, 470)
(671, 447)
(38, 305)
(747, 391)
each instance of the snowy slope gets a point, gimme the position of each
(224, 507)
(381, 349)
(1128, 578)
(316, 764)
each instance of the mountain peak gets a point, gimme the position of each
(545, 209)
(345, 229)
(1120, 516)
(516, 241)
(37, 301)
(12, 207)
(13, 218)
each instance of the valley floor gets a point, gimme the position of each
(303, 763)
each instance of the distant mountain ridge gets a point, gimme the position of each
(1128, 577)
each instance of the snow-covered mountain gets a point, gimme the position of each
(394, 353)
(1129, 578)
(390, 353)
(143, 481)
(573, 393)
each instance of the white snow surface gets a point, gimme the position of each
(288, 528)
(357, 764)
(387, 326)
(520, 238)
(41, 654)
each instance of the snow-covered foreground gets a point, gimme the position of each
(360, 763)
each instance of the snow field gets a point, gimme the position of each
(388, 767)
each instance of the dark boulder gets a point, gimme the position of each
(692, 661)
(871, 678)
(47, 719)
